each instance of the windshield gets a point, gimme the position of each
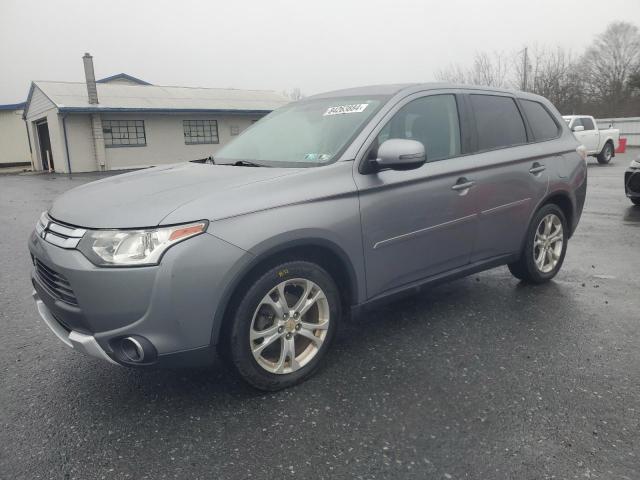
(302, 134)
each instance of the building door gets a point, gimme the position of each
(44, 142)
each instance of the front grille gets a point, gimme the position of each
(59, 234)
(55, 283)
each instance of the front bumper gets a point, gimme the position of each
(172, 305)
(76, 340)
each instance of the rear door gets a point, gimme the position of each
(511, 175)
(421, 222)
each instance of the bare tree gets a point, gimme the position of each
(608, 64)
(454, 73)
(553, 74)
(488, 70)
(604, 81)
(294, 94)
(634, 82)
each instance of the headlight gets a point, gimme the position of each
(135, 247)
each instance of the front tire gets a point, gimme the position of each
(284, 324)
(605, 156)
(635, 200)
(544, 248)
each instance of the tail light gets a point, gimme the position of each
(582, 151)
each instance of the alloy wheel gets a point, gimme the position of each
(289, 326)
(548, 242)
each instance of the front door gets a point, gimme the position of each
(45, 146)
(417, 223)
(590, 135)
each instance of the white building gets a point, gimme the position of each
(14, 144)
(121, 122)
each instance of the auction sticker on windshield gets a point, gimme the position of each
(342, 109)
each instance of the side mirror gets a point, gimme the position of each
(578, 128)
(401, 154)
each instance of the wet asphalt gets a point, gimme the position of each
(480, 378)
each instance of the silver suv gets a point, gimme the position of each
(324, 208)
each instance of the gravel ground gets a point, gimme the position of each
(481, 378)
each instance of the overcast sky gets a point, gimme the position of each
(316, 45)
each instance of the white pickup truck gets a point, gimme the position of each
(601, 144)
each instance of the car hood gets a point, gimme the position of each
(145, 198)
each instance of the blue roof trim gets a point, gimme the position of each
(159, 110)
(13, 106)
(125, 76)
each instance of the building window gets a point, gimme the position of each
(124, 133)
(197, 132)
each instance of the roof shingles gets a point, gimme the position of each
(72, 96)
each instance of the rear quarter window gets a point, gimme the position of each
(498, 122)
(542, 124)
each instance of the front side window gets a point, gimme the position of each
(498, 122)
(577, 123)
(540, 120)
(308, 133)
(197, 132)
(588, 123)
(124, 133)
(431, 120)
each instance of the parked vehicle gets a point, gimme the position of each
(600, 143)
(327, 206)
(632, 181)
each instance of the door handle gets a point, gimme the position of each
(537, 168)
(462, 185)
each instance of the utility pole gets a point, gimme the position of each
(525, 66)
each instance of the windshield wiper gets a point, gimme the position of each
(247, 163)
(210, 160)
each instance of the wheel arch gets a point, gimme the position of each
(610, 141)
(563, 200)
(324, 252)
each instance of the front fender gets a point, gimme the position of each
(333, 223)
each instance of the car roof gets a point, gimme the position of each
(409, 88)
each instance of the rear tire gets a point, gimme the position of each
(635, 201)
(605, 156)
(284, 325)
(545, 246)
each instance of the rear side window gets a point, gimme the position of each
(588, 123)
(540, 120)
(498, 122)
